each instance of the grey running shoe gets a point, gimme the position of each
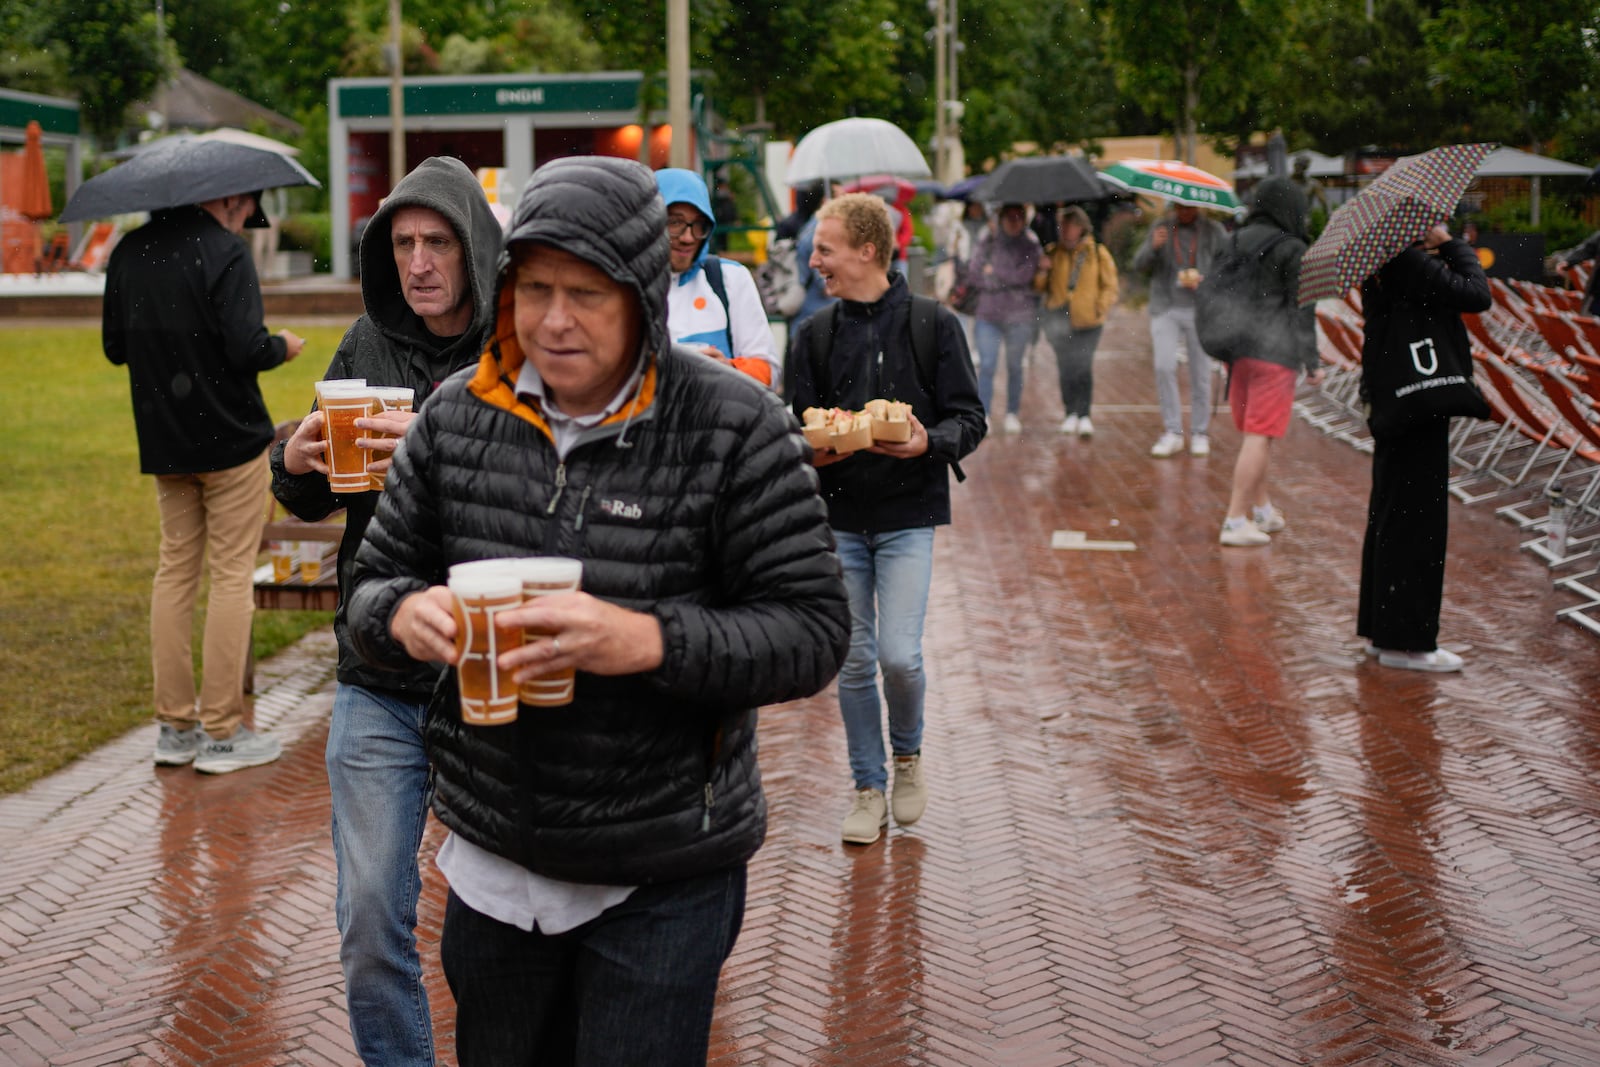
(175, 747)
(243, 749)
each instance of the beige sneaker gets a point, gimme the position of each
(869, 814)
(910, 796)
(1241, 533)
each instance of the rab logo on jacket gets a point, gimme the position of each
(621, 509)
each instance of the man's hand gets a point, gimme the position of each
(710, 350)
(905, 449)
(827, 457)
(1158, 236)
(293, 343)
(585, 633)
(391, 422)
(1436, 236)
(1315, 377)
(304, 451)
(425, 625)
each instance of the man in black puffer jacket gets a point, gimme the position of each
(427, 280)
(597, 852)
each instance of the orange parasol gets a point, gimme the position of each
(32, 198)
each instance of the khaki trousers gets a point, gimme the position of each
(213, 517)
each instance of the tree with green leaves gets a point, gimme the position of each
(111, 57)
(1192, 63)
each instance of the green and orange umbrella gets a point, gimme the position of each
(1172, 180)
(1414, 195)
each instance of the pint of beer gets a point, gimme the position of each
(541, 576)
(343, 402)
(282, 555)
(389, 398)
(310, 561)
(488, 694)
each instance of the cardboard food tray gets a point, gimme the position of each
(854, 441)
(896, 431)
(817, 437)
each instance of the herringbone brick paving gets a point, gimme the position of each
(1177, 816)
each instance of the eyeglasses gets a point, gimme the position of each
(699, 227)
(438, 247)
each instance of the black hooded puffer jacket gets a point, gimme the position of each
(695, 503)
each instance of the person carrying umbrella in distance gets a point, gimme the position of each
(182, 311)
(1177, 254)
(1416, 281)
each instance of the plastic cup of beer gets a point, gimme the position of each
(389, 398)
(310, 561)
(488, 693)
(342, 402)
(542, 576)
(282, 555)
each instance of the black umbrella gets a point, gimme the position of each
(182, 170)
(1042, 180)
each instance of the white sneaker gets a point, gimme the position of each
(1012, 423)
(1199, 445)
(1242, 533)
(1168, 444)
(1085, 427)
(1269, 519)
(869, 814)
(244, 749)
(1069, 425)
(1439, 659)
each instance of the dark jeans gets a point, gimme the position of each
(1408, 523)
(634, 986)
(1074, 351)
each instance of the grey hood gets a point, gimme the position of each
(447, 186)
(608, 213)
(1282, 203)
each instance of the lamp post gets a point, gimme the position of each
(678, 81)
(397, 102)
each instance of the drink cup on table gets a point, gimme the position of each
(310, 561)
(342, 402)
(388, 398)
(488, 693)
(282, 556)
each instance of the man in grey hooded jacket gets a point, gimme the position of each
(427, 275)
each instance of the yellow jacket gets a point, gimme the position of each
(1089, 301)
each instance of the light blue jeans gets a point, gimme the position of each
(989, 336)
(378, 778)
(1167, 330)
(887, 576)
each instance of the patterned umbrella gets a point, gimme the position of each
(1171, 180)
(1387, 217)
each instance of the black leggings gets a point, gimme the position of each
(1408, 523)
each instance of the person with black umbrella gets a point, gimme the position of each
(183, 312)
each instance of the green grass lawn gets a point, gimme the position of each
(81, 522)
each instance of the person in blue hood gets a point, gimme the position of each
(713, 304)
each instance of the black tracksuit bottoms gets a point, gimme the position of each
(1408, 520)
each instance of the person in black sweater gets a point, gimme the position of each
(182, 311)
(1403, 554)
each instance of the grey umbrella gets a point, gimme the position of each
(182, 170)
(1042, 180)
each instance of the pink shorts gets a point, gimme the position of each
(1261, 395)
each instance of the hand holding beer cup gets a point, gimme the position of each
(306, 450)
(383, 430)
(342, 402)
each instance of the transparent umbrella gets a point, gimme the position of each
(852, 148)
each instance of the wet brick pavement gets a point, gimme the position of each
(1177, 816)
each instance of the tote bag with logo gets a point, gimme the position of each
(1422, 368)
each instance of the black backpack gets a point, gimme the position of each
(1230, 303)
